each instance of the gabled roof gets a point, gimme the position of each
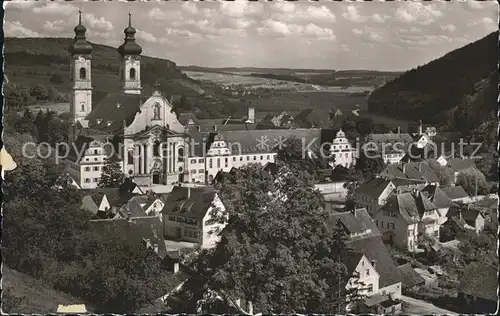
(189, 202)
(404, 182)
(389, 138)
(132, 208)
(456, 192)
(470, 215)
(115, 110)
(437, 196)
(356, 222)
(412, 170)
(374, 250)
(271, 167)
(480, 280)
(411, 206)
(88, 204)
(373, 187)
(461, 164)
(410, 277)
(136, 230)
(184, 118)
(351, 261)
(487, 202)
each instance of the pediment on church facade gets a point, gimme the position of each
(155, 111)
(155, 131)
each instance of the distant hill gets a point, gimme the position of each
(31, 61)
(462, 83)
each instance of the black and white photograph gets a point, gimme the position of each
(250, 157)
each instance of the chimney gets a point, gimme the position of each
(374, 264)
(404, 168)
(176, 267)
(148, 243)
(215, 128)
(250, 308)
(129, 216)
(420, 128)
(251, 115)
(189, 192)
(238, 302)
(198, 128)
(419, 167)
(399, 130)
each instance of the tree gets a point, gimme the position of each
(39, 92)
(276, 250)
(369, 165)
(112, 175)
(473, 182)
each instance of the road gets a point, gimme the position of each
(423, 307)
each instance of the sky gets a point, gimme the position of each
(323, 35)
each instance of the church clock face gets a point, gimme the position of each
(81, 59)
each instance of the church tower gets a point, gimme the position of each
(80, 69)
(130, 68)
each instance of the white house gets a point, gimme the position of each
(188, 215)
(404, 217)
(373, 193)
(342, 150)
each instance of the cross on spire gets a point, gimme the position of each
(80, 16)
(129, 18)
(156, 85)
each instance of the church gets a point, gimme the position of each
(151, 140)
(153, 147)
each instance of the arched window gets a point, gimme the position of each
(82, 104)
(83, 73)
(132, 73)
(181, 154)
(156, 149)
(156, 109)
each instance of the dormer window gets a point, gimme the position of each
(83, 73)
(132, 74)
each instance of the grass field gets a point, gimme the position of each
(23, 294)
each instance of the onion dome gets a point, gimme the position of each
(129, 47)
(80, 44)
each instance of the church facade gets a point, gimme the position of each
(152, 146)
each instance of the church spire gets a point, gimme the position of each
(80, 44)
(129, 47)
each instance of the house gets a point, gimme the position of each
(411, 279)
(188, 215)
(404, 217)
(478, 289)
(414, 171)
(459, 166)
(392, 146)
(466, 217)
(373, 193)
(430, 279)
(457, 194)
(407, 185)
(440, 199)
(364, 238)
(381, 304)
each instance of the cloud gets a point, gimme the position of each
(278, 28)
(19, 4)
(16, 29)
(487, 21)
(100, 24)
(145, 36)
(357, 31)
(417, 12)
(352, 14)
(158, 14)
(190, 7)
(321, 13)
(380, 18)
(240, 8)
(284, 6)
(182, 33)
(448, 27)
(56, 8)
(55, 26)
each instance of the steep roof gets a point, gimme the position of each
(481, 281)
(389, 138)
(412, 170)
(456, 192)
(410, 205)
(357, 222)
(375, 250)
(470, 215)
(255, 141)
(437, 196)
(461, 164)
(373, 187)
(351, 261)
(184, 118)
(132, 208)
(88, 204)
(410, 276)
(189, 202)
(137, 230)
(404, 182)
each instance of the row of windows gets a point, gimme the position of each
(95, 159)
(340, 146)
(95, 168)
(192, 234)
(390, 214)
(199, 171)
(210, 162)
(389, 225)
(184, 220)
(193, 161)
(339, 155)
(83, 73)
(89, 180)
